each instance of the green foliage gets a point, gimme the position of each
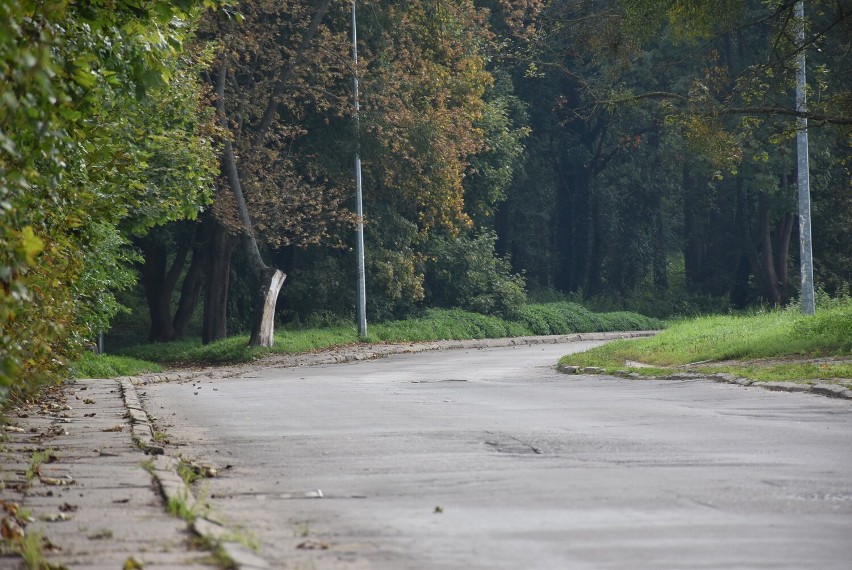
(567, 318)
(687, 20)
(447, 324)
(318, 286)
(100, 134)
(436, 324)
(395, 283)
(491, 171)
(464, 272)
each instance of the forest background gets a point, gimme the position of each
(180, 158)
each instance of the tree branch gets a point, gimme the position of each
(831, 119)
(229, 166)
(764, 110)
(287, 71)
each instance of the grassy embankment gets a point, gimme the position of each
(771, 346)
(437, 324)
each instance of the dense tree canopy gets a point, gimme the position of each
(633, 152)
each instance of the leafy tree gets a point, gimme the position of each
(79, 159)
(661, 140)
(438, 145)
(278, 62)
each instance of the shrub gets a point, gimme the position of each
(464, 272)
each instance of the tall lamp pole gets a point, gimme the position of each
(806, 253)
(359, 197)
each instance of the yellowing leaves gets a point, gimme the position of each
(31, 244)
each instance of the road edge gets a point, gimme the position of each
(164, 470)
(818, 389)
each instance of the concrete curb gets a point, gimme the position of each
(174, 490)
(820, 389)
(140, 427)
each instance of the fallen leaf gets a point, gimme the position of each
(57, 481)
(50, 547)
(118, 427)
(132, 563)
(67, 508)
(313, 545)
(10, 507)
(93, 414)
(10, 529)
(88, 401)
(55, 517)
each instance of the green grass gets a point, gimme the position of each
(110, 366)
(436, 324)
(773, 337)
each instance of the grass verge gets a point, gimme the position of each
(111, 366)
(436, 324)
(769, 346)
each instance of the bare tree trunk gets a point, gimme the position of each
(263, 329)
(747, 259)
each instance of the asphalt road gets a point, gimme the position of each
(491, 459)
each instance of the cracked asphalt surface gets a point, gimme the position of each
(491, 459)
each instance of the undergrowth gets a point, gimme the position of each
(435, 324)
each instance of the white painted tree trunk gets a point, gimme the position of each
(263, 328)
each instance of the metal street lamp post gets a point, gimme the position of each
(359, 201)
(806, 253)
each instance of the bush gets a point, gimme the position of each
(568, 318)
(464, 272)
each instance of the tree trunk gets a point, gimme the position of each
(594, 275)
(693, 252)
(749, 258)
(660, 257)
(159, 283)
(783, 233)
(190, 291)
(564, 245)
(265, 300)
(215, 325)
(263, 320)
(739, 291)
(769, 280)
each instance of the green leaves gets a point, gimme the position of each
(87, 130)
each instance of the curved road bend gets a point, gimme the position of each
(491, 459)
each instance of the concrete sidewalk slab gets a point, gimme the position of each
(93, 485)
